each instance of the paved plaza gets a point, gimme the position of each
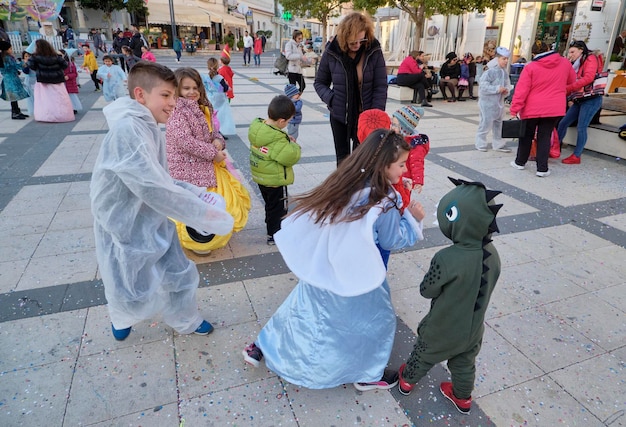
(554, 350)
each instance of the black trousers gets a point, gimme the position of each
(342, 138)
(15, 108)
(544, 126)
(295, 78)
(415, 81)
(275, 199)
(95, 79)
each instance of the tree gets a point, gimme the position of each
(108, 6)
(421, 10)
(322, 10)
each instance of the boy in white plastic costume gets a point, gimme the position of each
(493, 87)
(144, 270)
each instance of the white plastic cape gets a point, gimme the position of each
(143, 267)
(491, 104)
(342, 257)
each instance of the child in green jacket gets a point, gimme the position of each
(272, 155)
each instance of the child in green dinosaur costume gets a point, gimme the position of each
(460, 281)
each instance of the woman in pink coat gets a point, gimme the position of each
(539, 100)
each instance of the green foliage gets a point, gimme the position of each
(240, 44)
(433, 7)
(230, 41)
(108, 6)
(318, 9)
(266, 33)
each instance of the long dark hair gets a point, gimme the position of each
(43, 48)
(366, 167)
(192, 73)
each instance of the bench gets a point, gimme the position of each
(399, 93)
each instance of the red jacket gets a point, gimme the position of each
(586, 73)
(72, 74)
(227, 72)
(258, 46)
(409, 66)
(420, 146)
(541, 88)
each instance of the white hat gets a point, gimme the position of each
(502, 51)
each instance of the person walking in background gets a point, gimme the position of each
(12, 89)
(292, 92)
(459, 283)
(248, 44)
(494, 86)
(337, 326)
(216, 88)
(177, 46)
(144, 269)
(52, 102)
(71, 38)
(351, 78)
(71, 82)
(91, 65)
(272, 156)
(146, 55)
(294, 53)
(98, 43)
(112, 78)
(129, 57)
(120, 41)
(586, 65)
(195, 154)
(450, 73)
(539, 100)
(225, 71)
(258, 50)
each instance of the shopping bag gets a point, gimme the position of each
(513, 128)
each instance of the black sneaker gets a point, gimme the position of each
(270, 241)
(389, 380)
(252, 355)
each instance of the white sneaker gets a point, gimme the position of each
(503, 150)
(543, 174)
(516, 166)
(481, 149)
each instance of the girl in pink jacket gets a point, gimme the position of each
(539, 100)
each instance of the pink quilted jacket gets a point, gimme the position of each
(190, 152)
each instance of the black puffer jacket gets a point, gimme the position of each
(135, 44)
(448, 70)
(49, 69)
(332, 72)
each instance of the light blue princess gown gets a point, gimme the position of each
(337, 326)
(112, 82)
(216, 94)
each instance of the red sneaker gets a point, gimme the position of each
(404, 387)
(571, 160)
(462, 405)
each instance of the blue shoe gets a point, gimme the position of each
(205, 328)
(120, 334)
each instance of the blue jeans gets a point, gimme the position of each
(584, 112)
(257, 59)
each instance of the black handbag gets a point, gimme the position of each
(513, 128)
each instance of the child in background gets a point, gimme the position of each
(113, 79)
(12, 89)
(227, 72)
(292, 92)
(129, 58)
(460, 281)
(90, 64)
(337, 326)
(195, 154)
(144, 270)
(71, 84)
(146, 55)
(494, 86)
(216, 88)
(30, 78)
(272, 156)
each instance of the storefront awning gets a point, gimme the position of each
(219, 15)
(185, 14)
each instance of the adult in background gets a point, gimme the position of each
(620, 43)
(294, 52)
(539, 100)
(263, 41)
(71, 37)
(136, 42)
(450, 72)
(96, 36)
(118, 42)
(586, 65)
(350, 79)
(52, 102)
(248, 43)
(410, 74)
(258, 50)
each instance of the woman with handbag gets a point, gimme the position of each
(539, 100)
(583, 103)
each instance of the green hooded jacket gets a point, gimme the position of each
(272, 155)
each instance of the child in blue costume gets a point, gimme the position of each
(113, 79)
(460, 281)
(216, 88)
(337, 326)
(12, 89)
